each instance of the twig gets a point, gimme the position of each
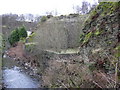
(97, 84)
(116, 72)
(63, 84)
(106, 78)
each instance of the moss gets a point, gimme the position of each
(117, 48)
(97, 32)
(117, 54)
(103, 9)
(43, 19)
(87, 37)
(109, 42)
(82, 36)
(107, 7)
(92, 67)
(22, 40)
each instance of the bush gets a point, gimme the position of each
(43, 19)
(22, 32)
(14, 37)
(49, 16)
(17, 34)
(31, 37)
(30, 47)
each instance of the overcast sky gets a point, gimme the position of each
(39, 6)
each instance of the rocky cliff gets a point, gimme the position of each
(100, 42)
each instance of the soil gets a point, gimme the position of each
(59, 65)
(17, 51)
(28, 61)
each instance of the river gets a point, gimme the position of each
(14, 76)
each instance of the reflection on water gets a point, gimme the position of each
(14, 77)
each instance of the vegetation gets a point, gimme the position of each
(104, 44)
(58, 34)
(97, 32)
(22, 32)
(14, 37)
(31, 37)
(17, 34)
(87, 37)
(44, 18)
(76, 55)
(30, 47)
(107, 7)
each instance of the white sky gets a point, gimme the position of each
(39, 6)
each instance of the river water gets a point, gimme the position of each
(14, 76)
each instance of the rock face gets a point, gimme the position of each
(100, 43)
(103, 36)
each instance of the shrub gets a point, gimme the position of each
(30, 47)
(22, 32)
(14, 37)
(49, 16)
(43, 19)
(31, 37)
(17, 35)
(74, 15)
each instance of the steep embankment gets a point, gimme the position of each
(100, 44)
(60, 32)
(97, 64)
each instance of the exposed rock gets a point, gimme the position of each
(100, 47)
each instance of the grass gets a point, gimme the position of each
(64, 51)
(31, 43)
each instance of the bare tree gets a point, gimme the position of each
(22, 17)
(56, 12)
(82, 9)
(30, 17)
(49, 13)
(37, 18)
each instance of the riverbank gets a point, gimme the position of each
(16, 76)
(19, 55)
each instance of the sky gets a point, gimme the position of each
(39, 7)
